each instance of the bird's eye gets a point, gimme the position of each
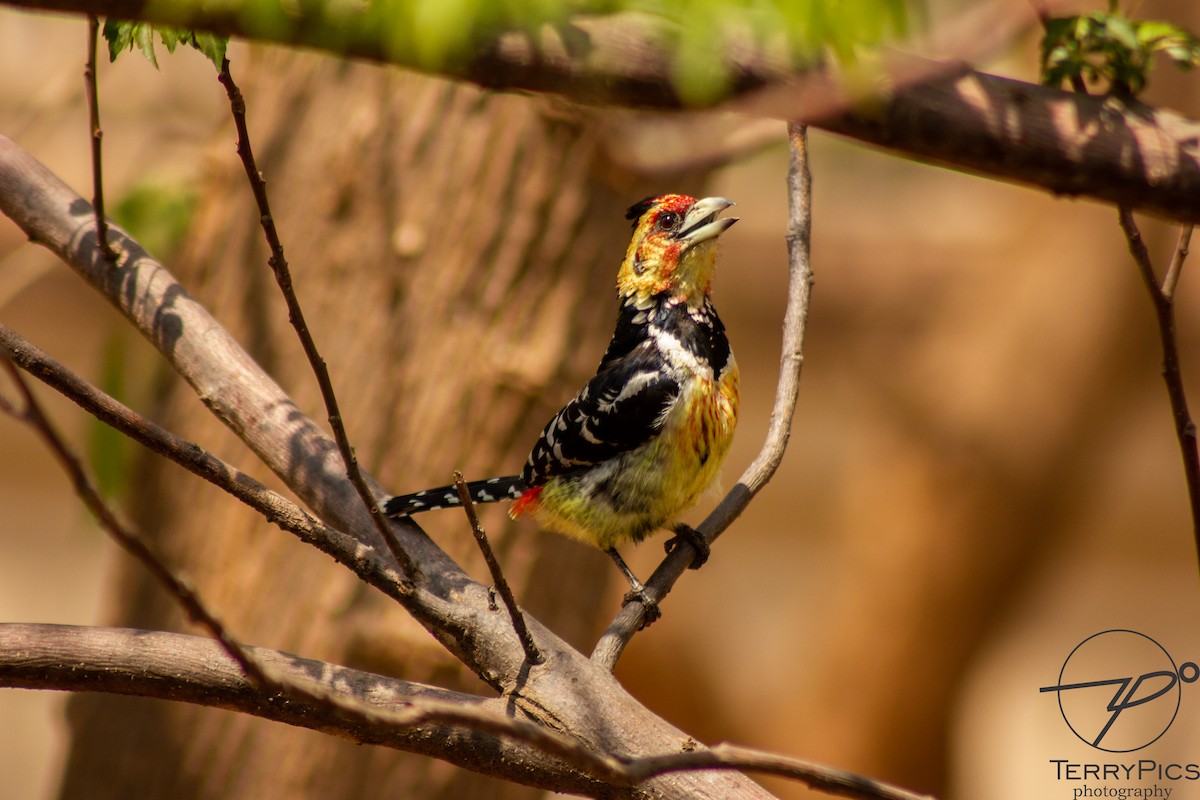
(667, 220)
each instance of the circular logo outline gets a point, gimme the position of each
(1177, 687)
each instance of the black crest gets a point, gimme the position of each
(636, 210)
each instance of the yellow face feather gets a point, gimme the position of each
(673, 249)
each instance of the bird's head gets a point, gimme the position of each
(674, 248)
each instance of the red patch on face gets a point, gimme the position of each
(679, 203)
(526, 502)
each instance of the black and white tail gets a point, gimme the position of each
(491, 490)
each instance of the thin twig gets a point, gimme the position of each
(800, 278)
(1164, 310)
(510, 602)
(93, 100)
(129, 541)
(283, 276)
(1176, 266)
(273, 506)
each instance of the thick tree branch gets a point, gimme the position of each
(393, 713)
(1095, 147)
(192, 669)
(948, 114)
(336, 704)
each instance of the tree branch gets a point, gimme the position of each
(334, 703)
(392, 713)
(193, 669)
(943, 113)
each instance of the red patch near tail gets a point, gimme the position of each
(526, 502)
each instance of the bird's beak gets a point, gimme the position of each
(701, 224)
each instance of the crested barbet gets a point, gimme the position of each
(648, 433)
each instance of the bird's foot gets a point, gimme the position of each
(651, 613)
(637, 591)
(685, 534)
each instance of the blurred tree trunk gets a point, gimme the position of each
(455, 254)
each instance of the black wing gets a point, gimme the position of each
(620, 408)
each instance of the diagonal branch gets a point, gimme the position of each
(283, 277)
(235, 389)
(800, 277)
(510, 601)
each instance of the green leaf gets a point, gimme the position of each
(123, 35)
(143, 39)
(211, 46)
(119, 35)
(1122, 31)
(1152, 30)
(1184, 57)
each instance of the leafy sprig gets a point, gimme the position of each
(1107, 48)
(123, 35)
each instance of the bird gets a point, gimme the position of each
(646, 436)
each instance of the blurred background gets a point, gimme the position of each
(983, 470)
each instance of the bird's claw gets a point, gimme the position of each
(685, 534)
(650, 610)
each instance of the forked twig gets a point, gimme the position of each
(283, 277)
(93, 100)
(1163, 299)
(510, 602)
(800, 277)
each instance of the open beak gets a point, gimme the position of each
(701, 224)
